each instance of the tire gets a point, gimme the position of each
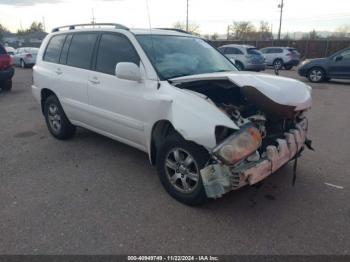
(278, 64)
(6, 85)
(316, 75)
(56, 120)
(239, 66)
(171, 166)
(22, 64)
(288, 67)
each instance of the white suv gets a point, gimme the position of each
(280, 57)
(209, 128)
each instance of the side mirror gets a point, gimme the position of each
(128, 71)
(338, 58)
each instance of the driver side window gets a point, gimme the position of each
(346, 54)
(113, 49)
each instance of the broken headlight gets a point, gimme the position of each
(239, 146)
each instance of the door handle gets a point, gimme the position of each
(94, 80)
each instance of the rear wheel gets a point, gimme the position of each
(278, 64)
(179, 163)
(23, 64)
(56, 120)
(316, 75)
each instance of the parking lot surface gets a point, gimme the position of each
(92, 195)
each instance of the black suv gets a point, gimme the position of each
(6, 70)
(321, 69)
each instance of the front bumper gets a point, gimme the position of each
(219, 178)
(7, 74)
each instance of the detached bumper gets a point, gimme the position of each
(293, 62)
(219, 179)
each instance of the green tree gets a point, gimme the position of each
(34, 27)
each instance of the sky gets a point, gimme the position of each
(211, 15)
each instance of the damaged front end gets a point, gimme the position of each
(272, 129)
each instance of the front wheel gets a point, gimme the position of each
(316, 75)
(179, 163)
(56, 120)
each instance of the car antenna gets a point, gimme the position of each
(151, 34)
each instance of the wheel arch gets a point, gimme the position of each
(44, 94)
(160, 131)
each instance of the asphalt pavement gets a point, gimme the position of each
(92, 195)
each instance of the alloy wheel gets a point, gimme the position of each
(54, 118)
(316, 75)
(182, 170)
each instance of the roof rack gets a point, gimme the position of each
(72, 27)
(176, 30)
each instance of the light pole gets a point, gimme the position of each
(187, 17)
(279, 30)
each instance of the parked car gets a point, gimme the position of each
(10, 50)
(25, 56)
(246, 57)
(6, 70)
(280, 57)
(207, 127)
(321, 69)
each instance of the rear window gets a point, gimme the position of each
(53, 49)
(81, 49)
(293, 50)
(253, 51)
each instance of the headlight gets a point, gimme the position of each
(239, 146)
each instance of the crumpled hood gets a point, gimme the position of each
(281, 90)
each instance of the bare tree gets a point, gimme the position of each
(342, 32)
(215, 36)
(264, 31)
(243, 30)
(193, 28)
(3, 30)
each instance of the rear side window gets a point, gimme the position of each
(275, 51)
(253, 51)
(112, 50)
(64, 53)
(81, 49)
(54, 48)
(233, 51)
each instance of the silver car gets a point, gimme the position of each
(246, 57)
(280, 57)
(25, 56)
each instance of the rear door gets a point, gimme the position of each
(117, 105)
(340, 65)
(73, 72)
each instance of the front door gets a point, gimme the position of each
(340, 65)
(117, 105)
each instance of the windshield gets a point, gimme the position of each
(175, 56)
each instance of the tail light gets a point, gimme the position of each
(5, 62)
(29, 55)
